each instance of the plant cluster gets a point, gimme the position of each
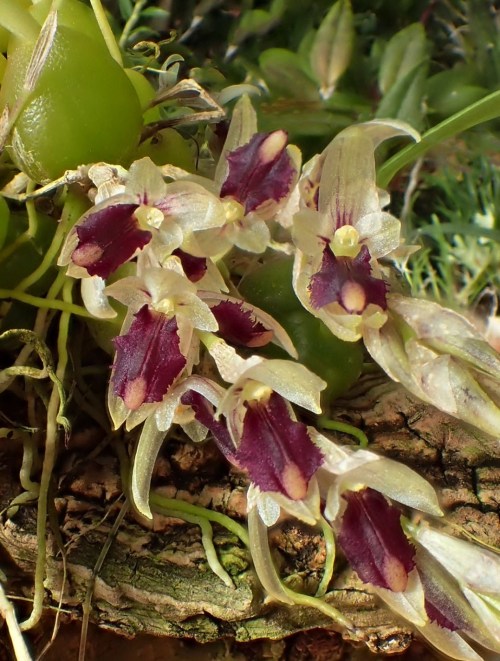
(222, 284)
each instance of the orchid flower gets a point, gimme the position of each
(410, 582)
(255, 177)
(476, 573)
(341, 232)
(143, 212)
(117, 227)
(157, 343)
(441, 358)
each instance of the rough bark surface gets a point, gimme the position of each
(156, 579)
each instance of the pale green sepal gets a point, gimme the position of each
(291, 380)
(410, 604)
(243, 126)
(262, 559)
(487, 606)
(471, 565)
(448, 642)
(150, 442)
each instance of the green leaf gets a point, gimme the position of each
(407, 48)
(155, 12)
(332, 47)
(284, 75)
(404, 99)
(254, 22)
(126, 8)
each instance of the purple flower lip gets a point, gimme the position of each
(259, 172)
(194, 267)
(148, 359)
(237, 326)
(276, 450)
(108, 238)
(373, 540)
(347, 281)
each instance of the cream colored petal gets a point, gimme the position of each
(191, 307)
(410, 603)
(252, 234)
(488, 609)
(95, 299)
(453, 389)
(207, 243)
(310, 229)
(291, 380)
(129, 291)
(145, 181)
(428, 319)
(347, 189)
(381, 232)
(229, 364)
(396, 481)
(192, 206)
(387, 348)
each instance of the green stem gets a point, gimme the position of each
(329, 559)
(106, 31)
(54, 416)
(482, 111)
(345, 428)
(73, 208)
(313, 602)
(132, 20)
(18, 21)
(28, 234)
(182, 507)
(206, 540)
(47, 303)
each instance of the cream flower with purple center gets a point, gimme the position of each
(254, 179)
(341, 231)
(145, 211)
(157, 342)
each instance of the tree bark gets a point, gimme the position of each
(156, 579)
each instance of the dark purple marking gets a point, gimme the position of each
(194, 267)
(347, 281)
(148, 359)
(238, 326)
(204, 414)
(108, 238)
(373, 541)
(277, 451)
(259, 171)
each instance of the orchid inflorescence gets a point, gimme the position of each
(155, 240)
